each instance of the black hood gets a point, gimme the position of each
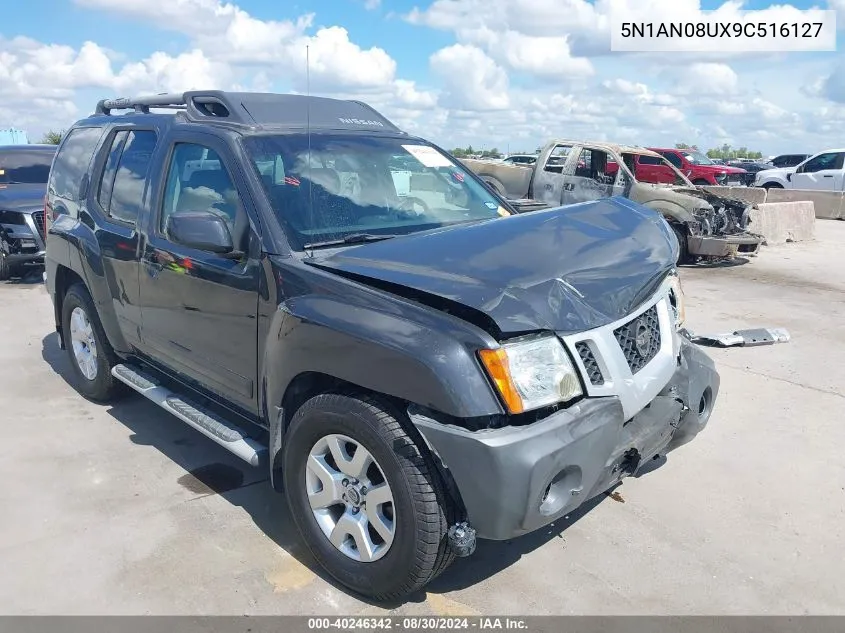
(22, 197)
(567, 269)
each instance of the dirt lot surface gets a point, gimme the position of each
(123, 509)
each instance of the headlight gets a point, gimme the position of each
(532, 373)
(676, 298)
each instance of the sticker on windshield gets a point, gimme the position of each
(428, 156)
(491, 205)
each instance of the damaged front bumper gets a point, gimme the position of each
(723, 246)
(515, 480)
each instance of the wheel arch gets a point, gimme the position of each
(65, 278)
(310, 384)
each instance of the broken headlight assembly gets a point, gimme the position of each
(676, 298)
(531, 373)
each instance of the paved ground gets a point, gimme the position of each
(123, 509)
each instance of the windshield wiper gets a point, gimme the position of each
(352, 238)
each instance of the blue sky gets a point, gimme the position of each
(505, 73)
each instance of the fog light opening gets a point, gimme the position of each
(565, 486)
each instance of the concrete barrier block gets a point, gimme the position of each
(828, 205)
(781, 222)
(751, 195)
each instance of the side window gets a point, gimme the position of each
(557, 159)
(72, 160)
(832, 160)
(198, 180)
(107, 179)
(674, 159)
(593, 164)
(130, 179)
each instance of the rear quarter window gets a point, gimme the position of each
(72, 161)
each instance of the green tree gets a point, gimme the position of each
(52, 137)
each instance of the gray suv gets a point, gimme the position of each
(24, 170)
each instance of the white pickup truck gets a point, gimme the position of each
(824, 171)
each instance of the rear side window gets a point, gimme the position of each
(72, 161)
(121, 190)
(648, 160)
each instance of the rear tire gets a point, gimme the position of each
(420, 510)
(90, 354)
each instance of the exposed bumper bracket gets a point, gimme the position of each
(742, 338)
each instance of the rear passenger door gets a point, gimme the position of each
(118, 195)
(199, 308)
(593, 176)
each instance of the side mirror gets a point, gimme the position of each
(203, 230)
(789, 177)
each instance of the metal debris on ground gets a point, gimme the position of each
(742, 338)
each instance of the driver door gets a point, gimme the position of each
(199, 308)
(822, 173)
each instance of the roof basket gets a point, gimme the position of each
(257, 110)
(198, 105)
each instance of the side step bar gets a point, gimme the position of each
(226, 434)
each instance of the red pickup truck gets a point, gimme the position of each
(694, 165)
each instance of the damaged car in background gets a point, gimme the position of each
(707, 226)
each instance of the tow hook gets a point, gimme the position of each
(462, 539)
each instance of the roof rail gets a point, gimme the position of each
(141, 104)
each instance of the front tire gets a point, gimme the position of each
(5, 268)
(91, 357)
(386, 550)
(683, 250)
(772, 185)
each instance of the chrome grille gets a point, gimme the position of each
(590, 364)
(38, 217)
(639, 339)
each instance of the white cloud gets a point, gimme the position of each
(705, 78)
(372, 5)
(227, 34)
(471, 80)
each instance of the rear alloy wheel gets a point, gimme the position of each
(366, 496)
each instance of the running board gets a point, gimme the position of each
(224, 433)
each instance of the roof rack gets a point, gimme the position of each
(256, 109)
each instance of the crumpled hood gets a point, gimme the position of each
(22, 197)
(567, 269)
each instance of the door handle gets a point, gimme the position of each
(568, 186)
(827, 175)
(151, 261)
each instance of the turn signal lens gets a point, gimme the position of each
(496, 363)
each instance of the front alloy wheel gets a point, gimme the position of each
(350, 498)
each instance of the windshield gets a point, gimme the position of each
(354, 185)
(25, 167)
(697, 158)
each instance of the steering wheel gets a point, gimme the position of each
(405, 209)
